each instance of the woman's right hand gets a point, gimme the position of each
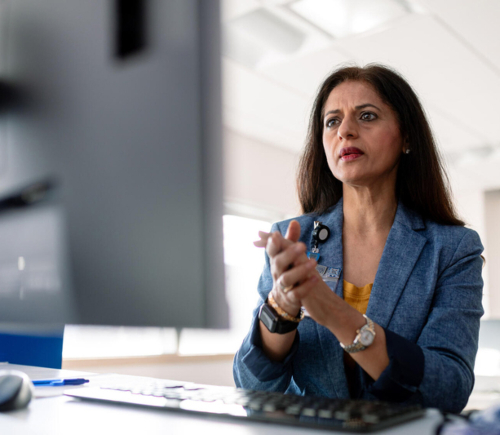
(284, 252)
(290, 267)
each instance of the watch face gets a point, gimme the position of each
(268, 317)
(366, 337)
(272, 321)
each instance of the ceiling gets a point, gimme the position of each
(449, 50)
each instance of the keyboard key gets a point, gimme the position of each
(308, 412)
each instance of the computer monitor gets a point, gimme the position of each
(111, 163)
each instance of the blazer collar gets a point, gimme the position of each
(334, 217)
(405, 216)
(402, 249)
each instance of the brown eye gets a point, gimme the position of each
(368, 116)
(332, 122)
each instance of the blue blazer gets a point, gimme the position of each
(426, 295)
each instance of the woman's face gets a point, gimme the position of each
(361, 136)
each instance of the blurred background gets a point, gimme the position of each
(275, 55)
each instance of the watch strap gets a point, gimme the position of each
(357, 346)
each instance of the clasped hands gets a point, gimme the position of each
(291, 267)
(296, 282)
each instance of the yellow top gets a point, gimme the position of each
(357, 297)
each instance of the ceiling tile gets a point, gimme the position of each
(260, 129)
(259, 107)
(475, 22)
(306, 73)
(231, 9)
(444, 72)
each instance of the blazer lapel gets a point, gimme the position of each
(401, 252)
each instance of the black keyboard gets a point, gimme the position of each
(307, 411)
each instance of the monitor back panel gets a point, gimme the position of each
(131, 232)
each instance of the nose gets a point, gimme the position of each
(348, 128)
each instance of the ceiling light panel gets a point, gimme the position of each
(342, 18)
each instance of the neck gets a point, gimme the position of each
(367, 211)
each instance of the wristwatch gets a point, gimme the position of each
(274, 322)
(364, 338)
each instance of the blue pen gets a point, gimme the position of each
(59, 382)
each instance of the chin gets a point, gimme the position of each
(350, 178)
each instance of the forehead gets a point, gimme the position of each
(351, 94)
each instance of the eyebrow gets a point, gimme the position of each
(361, 106)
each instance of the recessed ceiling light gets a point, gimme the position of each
(258, 35)
(342, 18)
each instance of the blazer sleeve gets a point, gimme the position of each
(444, 377)
(252, 369)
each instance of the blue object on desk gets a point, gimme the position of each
(32, 350)
(58, 382)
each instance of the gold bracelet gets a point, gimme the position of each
(283, 313)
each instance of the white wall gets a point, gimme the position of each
(260, 175)
(492, 224)
(209, 371)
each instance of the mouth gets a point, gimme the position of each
(350, 153)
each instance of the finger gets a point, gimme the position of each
(285, 259)
(293, 234)
(297, 274)
(301, 259)
(263, 239)
(275, 244)
(293, 231)
(295, 296)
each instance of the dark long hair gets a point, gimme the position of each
(421, 184)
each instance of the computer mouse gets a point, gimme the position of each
(16, 390)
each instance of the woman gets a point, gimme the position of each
(396, 252)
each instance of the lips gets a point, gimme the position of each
(350, 153)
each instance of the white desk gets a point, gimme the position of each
(62, 415)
